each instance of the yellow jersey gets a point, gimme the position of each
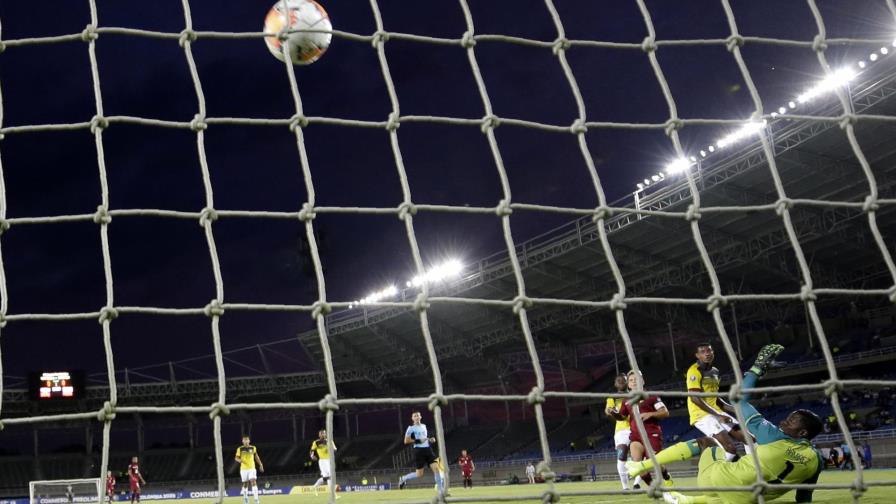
(320, 448)
(615, 403)
(706, 380)
(247, 456)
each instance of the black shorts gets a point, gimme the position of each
(424, 457)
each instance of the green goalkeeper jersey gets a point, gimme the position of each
(783, 459)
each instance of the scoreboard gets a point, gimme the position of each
(52, 385)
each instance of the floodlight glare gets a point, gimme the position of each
(678, 166)
(861, 64)
(791, 105)
(782, 110)
(703, 153)
(712, 148)
(438, 273)
(640, 187)
(884, 50)
(655, 178)
(873, 57)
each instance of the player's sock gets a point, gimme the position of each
(408, 476)
(438, 478)
(623, 473)
(318, 483)
(674, 453)
(255, 493)
(245, 493)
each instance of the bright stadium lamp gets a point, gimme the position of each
(702, 153)
(782, 110)
(884, 50)
(677, 166)
(862, 64)
(444, 271)
(873, 57)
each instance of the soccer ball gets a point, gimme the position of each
(304, 47)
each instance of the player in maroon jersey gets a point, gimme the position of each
(110, 485)
(652, 411)
(466, 468)
(136, 479)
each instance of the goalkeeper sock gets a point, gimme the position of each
(674, 453)
(255, 493)
(408, 476)
(318, 483)
(438, 478)
(623, 474)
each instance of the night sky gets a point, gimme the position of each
(57, 268)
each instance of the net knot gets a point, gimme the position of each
(636, 396)
(617, 302)
(521, 303)
(672, 125)
(328, 403)
(107, 314)
(2, 323)
(544, 469)
(715, 302)
(503, 209)
(320, 308)
(307, 213)
(4, 226)
(783, 205)
(759, 488)
(832, 387)
(297, 121)
(106, 413)
(198, 123)
(648, 45)
(536, 396)
(406, 209)
(847, 120)
(379, 37)
(858, 488)
(892, 294)
(101, 216)
(807, 294)
(561, 44)
(468, 40)
(870, 204)
(734, 393)
(218, 410)
(207, 216)
(1, 425)
(578, 127)
(89, 34)
(693, 213)
(549, 497)
(214, 308)
(393, 122)
(421, 303)
(98, 123)
(489, 122)
(2, 48)
(602, 213)
(187, 36)
(819, 44)
(436, 401)
(734, 41)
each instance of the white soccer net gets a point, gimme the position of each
(65, 491)
(407, 209)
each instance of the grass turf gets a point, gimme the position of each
(875, 495)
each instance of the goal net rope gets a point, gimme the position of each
(408, 208)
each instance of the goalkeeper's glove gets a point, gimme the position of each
(765, 359)
(418, 441)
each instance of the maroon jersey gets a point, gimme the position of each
(466, 464)
(110, 484)
(649, 405)
(134, 473)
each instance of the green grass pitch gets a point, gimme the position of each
(876, 495)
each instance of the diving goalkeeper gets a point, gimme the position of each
(785, 453)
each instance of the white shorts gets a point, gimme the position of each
(324, 465)
(247, 475)
(711, 425)
(622, 437)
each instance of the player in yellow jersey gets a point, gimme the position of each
(247, 456)
(785, 452)
(321, 453)
(711, 415)
(622, 430)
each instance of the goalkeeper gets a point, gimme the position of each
(785, 453)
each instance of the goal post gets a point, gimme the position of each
(64, 491)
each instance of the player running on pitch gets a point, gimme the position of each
(711, 415)
(466, 468)
(321, 454)
(785, 453)
(417, 435)
(135, 479)
(652, 410)
(110, 486)
(247, 456)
